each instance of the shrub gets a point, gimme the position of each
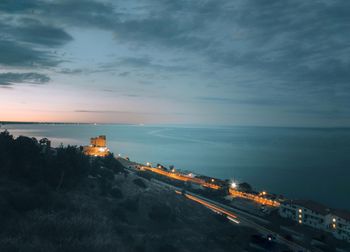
(119, 213)
(167, 247)
(140, 183)
(105, 186)
(27, 200)
(144, 174)
(161, 213)
(5, 209)
(131, 205)
(116, 193)
(23, 159)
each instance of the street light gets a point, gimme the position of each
(233, 185)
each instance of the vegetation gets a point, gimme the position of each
(140, 183)
(62, 201)
(245, 187)
(24, 160)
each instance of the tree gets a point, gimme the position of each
(245, 187)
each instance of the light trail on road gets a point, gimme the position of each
(232, 217)
(181, 177)
(228, 214)
(218, 207)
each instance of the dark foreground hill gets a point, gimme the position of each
(62, 201)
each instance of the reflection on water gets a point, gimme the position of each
(302, 163)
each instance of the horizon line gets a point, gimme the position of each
(173, 124)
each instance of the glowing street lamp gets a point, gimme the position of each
(233, 185)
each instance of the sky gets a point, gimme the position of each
(208, 62)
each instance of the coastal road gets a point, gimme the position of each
(211, 206)
(234, 215)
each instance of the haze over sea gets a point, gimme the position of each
(308, 163)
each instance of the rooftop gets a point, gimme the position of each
(344, 214)
(309, 204)
(319, 208)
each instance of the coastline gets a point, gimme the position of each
(285, 162)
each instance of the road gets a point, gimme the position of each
(234, 215)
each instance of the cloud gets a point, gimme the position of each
(27, 43)
(273, 53)
(71, 71)
(124, 74)
(141, 63)
(80, 13)
(98, 111)
(115, 112)
(9, 6)
(7, 79)
(15, 54)
(38, 33)
(260, 101)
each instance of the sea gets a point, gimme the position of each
(299, 163)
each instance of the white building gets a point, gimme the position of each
(315, 215)
(339, 223)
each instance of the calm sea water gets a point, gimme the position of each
(297, 162)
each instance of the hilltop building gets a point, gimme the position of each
(45, 145)
(315, 215)
(97, 147)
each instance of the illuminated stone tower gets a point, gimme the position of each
(97, 147)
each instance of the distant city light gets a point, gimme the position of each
(233, 185)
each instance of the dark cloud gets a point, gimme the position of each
(298, 41)
(71, 71)
(7, 79)
(142, 63)
(42, 34)
(277, 52)
(28, 43)
(16, 54)
(10, 6)
(82, 13)
(246, 101)
(123, 74)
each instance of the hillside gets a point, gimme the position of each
(97, 206)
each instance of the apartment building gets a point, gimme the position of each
(318, 216)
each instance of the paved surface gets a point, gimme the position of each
(235, 215)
